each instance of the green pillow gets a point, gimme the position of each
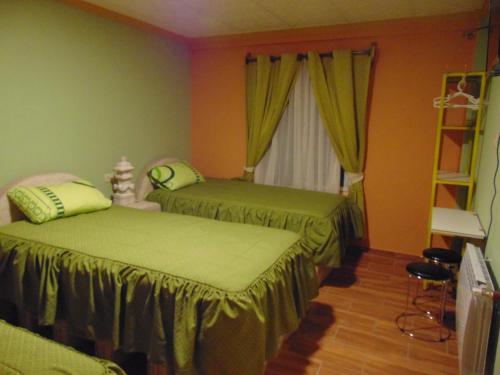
(45, 203)
(174, 176)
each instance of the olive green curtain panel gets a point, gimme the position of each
(340, 84)
(268, 87)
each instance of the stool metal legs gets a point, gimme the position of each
(436, 318)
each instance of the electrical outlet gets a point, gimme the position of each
(108, 177)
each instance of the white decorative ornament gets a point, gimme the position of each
(123, 187)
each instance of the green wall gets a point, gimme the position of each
(484, 195)
(78, 90)
(484, 189)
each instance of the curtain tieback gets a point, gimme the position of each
(354, 177)
(248, 169)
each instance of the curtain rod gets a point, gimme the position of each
(303, 56)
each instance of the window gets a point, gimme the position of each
(301, 155)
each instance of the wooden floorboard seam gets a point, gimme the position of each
(351, 329)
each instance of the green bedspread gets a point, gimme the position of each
(325, 221)
(23, 352)
(203, 296)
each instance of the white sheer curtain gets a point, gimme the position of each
(301, 155)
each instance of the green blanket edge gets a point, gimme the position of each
(109, 368)
(188, 321)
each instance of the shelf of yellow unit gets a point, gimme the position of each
(458, 127)
(456, 223)
(453, 178)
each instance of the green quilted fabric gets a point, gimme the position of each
(325, 221)
(23, 352)
(203, 296)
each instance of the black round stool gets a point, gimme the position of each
(442, 256)
(445, 258)
(420, 320)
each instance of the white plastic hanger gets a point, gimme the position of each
(447, 101)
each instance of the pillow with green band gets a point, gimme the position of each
(45, 203)
(174, 176)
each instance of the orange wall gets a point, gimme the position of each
(412, 55)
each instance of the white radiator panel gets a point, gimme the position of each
(474, 312)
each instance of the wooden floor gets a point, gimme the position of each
(350, 328)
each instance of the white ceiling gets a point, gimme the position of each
(201, 18)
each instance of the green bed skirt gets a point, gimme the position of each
(325, 221)
(23, 352)
(192, 327)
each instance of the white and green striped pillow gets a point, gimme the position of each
(45, 203)
(174, 176)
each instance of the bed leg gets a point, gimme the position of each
(322, 272)
(61, 333)
(8, 311)
(26, 320)
(104, 349)
(157, 369)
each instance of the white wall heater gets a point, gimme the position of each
(473, 312)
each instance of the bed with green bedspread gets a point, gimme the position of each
(324, 220)
(202, 296)
(23, 352)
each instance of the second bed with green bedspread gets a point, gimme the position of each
(203, 296)
(324, 220)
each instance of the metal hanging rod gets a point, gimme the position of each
(303, 56)
(470, 34)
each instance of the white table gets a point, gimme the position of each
(455, 222)
(144, 205)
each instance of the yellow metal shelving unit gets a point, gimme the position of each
(465, 179)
